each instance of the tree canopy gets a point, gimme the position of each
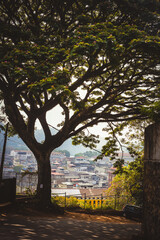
(87, 57)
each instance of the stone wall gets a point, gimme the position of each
(151, 216)
(8, 190)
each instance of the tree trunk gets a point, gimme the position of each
(44, 180)
(3, 153)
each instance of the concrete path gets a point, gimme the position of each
(17, 227)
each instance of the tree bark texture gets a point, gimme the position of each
(44, 179)
(3, 153)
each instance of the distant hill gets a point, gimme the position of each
(17, 143)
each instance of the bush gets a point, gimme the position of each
(30, 193)
(70, 202)
(111, 202)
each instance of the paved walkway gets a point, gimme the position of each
(18, 227)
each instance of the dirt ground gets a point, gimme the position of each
(31, 224)
(100, 218)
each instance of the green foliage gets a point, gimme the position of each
(72, 202)
(129, 183)
(58, 200)
(69, 202)
(87, 141)
(18, 169)
(153, 112)
(30, 193)
(88, 154)
(93, 59)
(52, 58)
(67, 153)
(124, 137)
(128, 180)
(11, 131)
(111, 202)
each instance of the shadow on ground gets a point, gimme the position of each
(15, 227)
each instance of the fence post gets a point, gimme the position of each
(20, 177)
(16, 183)
(3, 153)
(84, 200)
(101, 200)
(65, 202)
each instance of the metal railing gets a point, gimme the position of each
(27, 184)
(23, 181)
(92, 201)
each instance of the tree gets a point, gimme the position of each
(128, 179)
(66, 153)
(128, 186)
(82, 56)
(88, 154)
(126, 137)
(3, 153)
(9, 131)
